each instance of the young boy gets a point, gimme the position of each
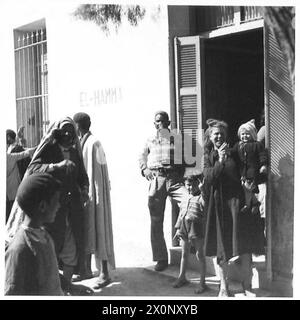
(190, 229)
(30, 259)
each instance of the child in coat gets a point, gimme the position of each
(252, 160)
(190, 229)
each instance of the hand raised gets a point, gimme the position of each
(222, 151)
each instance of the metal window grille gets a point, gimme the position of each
(31, 74)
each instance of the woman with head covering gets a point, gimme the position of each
(59, 153)
(225, 196)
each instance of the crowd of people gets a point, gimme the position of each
(219, 208)
(58, 213)
(81, 224)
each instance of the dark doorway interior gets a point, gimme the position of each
(234, 79)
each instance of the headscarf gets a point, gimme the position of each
(49, 137)
(250, 127)
(16, 216)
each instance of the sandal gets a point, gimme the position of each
(180, 283)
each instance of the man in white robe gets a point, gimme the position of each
(98, 234)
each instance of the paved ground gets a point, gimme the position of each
(144, 281)
(134, 275)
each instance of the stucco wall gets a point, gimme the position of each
(120, 80)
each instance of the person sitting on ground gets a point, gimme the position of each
(190, 229)
(30, 259)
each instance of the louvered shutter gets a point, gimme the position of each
(188, 58)
(280, 140)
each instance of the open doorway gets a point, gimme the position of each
(234, 79)
(234, 88)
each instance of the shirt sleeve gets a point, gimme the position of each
(179, 219)
(144, 157)
(18, 155)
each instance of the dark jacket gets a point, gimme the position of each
(229, 232)
(224, 201)
(251, 156)
(70, 199)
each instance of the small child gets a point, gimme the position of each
(30, 259)
(252, 159)
(190, 229)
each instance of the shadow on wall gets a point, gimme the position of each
(282, 211)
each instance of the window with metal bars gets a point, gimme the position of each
(31, 75)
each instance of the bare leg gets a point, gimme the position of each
(198, 244)
(185, 247)
(223, 280)
(104, 278)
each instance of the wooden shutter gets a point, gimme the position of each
(280, 141)
(188, 61)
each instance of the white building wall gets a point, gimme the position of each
(127, 72)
